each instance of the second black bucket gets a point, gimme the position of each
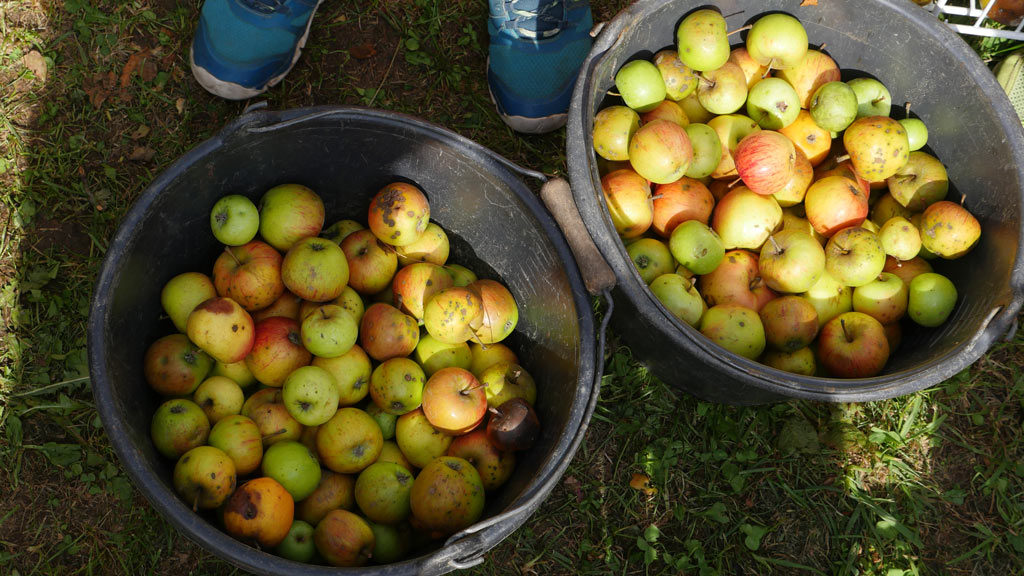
(972, 129)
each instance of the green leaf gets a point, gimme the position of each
(797, 435)
(412, 44)
(14, 430)
(887, 528)
(954, 496)
(651, 533)
(62, 454)
(717, 513)
(754, 535)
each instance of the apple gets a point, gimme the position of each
(177, 426)
(791, 261)
(833, 106)
(298, 543)
(873, 138)
(417, 283)
(261, 397)
(931, 300)
(873, 98)
(494, 466)
(790, 323)
(829, 297)
(204, 477)
(906, 269)
(183, 293)
(694, 111)
(382, 492)
(260, 512)
(752, 70)
(797, 362)
(294, 467)
(667, 110)
(778, 41)
(399, 214)
(277, 350)
(239, 437)
(289, 213)
(249, 274)
(886, 207)
(371, 263)
(513, 425)
(222, 329)
(351, 373)
(701, 40)
(340, 230)
(384, 420)
(813, 71)
(503, 381)
(392, 453)
(949, 230)
(853, 345)
(396, 385)
(884, 298)
(833, 203)
(736, 328)
(696, 246)
(917, 132)
(219, 396)
(844, 169)
(614, 127)
(628, 197)
(174, 366)
(870, 226)
(854, 256)
(921, 182)
(385, 332)
(765, 160)
(679, 201)
(447, 495)
(486, 355)
(349, 442)
(315, 269)
(333, 492)
(287, 305)
(452, 314)
(744, 219)
(311, 395)
(736, 280)
(276, 424)
(418, 440)
(814, 141)
(773, 103)
(900, 239)
(234, 220)
(432, 246)
(722, 90)
(731, 129)
(640, 85)
(660, 151)
(680, 297)
(433, 354)
(499, 311)
(454, 401)
(794, 218)
(794, 190)
(651, 257)
(344, 539)
(329, 332)
(680, 80)
(707, 150)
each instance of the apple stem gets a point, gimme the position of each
(323, 313)
(822, 47)
(735, 182)
(756, 283)
(466, 391)
(494, 410)
(907, 109)
(657, 197)
(877, 100)
(903, 178)
(842, 322)
(701, 77)
(611, 93)
(768, 70)
(963, 199)
(841, 159)
(747, 27)
(233, 257)
(775, 244)
(272, 434)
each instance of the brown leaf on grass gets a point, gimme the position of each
(141, 132)
(149, 71)
(142, 154)
(642, 482)
(134, 61)
(809, 3)
(99, 87)
(35, 62)
(363, 51)
(179, 105)
(573, 484)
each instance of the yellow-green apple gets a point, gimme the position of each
(260, 512)
(351, 373)
(854, 256)
(833, 203)
(679, 296)
(382, 492)
(335, 491)
(753, 71)
(614, 127)
(853, 345)
(260, 397)
(222, 328)
(765, 160)
(921, 182)
(736, 328)
(330, 331)
(174, 366)
(640, 84)
(315, 269)
(494, 466)
(453, 314)
(371, 263)
(900, 239)
(204, 477)
(813, 71)
(696, 246)
(873, 138)
(791, 261)
(906, 269)
(651, 257)
(504, 381)
(418, 440)
(276, 423)
(790, 323)
(237, 371)
(286, 305)
(813, 140)
(384, 420)
(311, 395)
(773, 103)
(701, 40)
(349, 442)
(886, 207)
(341, 229)
(454, 401)
(289, 213)
(829, 297)
(234, 220)
(447, 495)
(499, 311)
(344, 539)
(417, 283)
(392, 453)
(833, 106)
(293, 466)
(667, 110)
(948, 229)
(931, 300)
(183, 293)
(884, 298)
(794, 218)
(513, 425)
(680, 80)
(432, 246)
(484, 356)
(396, 385)
(239, 437)
(660, 151)
(873, 98)
(628, 197)
(385, 332)
(730, 128)
(277, 350)
(799, 361)
(249, 274)
(737, 280)
(778, 41)
(744, 219)
(707, 150)
(399, 213)
(793, 191)
(917, 132)
(433, 354)
(722, 90)
(177, 426)
(298, 545)
(219, 396)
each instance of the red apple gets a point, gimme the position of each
(385, 332)
(790, 323)
(628, 196)
(277, 350)
(494, 466)
(371, 263)
(853, 345)
(765, 160)
(174, 366)
(679, 201)
(454, 401)
(249, 274)
(737, 280)
(833, 203)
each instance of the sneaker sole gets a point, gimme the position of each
(234, 91)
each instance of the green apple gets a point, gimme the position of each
(418, 440)
(736, 328)
(723, 90)
(340, 230)
(315, 269)
(900, 239)
(614, 127)
(330, 331)
(298, 545)
(651, 257)
(773, 103)
(236, 371)
(884, 298)
(854, 256)
(351, 373)
(834, 106)
(921, 182)
(829, 297)
(696, 246)
(873, 98)
(680, 80)
(294, 466)
(932, 299)
(640, 84)
(391, 543)
(183, 293)
(433, 355)
(707, 150)
(177, 426)
(799, 361)
(219, 396)
(311, 395)
(204, 477)
(917, 132)
(382, 492)
(384, 420)
(504, 381)
(949, 230)
(396, 385)
(289, 213)
(680, 297)
(777, 40)
(239, 437)
(701, 40)
(791, 261)
(349, 442)
(660, 151)
(234, 220)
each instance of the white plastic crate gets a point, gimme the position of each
(969, 17)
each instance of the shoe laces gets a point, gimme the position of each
(265, 6)
(536, 18)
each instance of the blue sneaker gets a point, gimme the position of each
(243, 47)
(537, 47)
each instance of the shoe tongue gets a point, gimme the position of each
(537, 18)
(264, 6)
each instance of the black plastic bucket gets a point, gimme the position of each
(972, 129)
(496, 225)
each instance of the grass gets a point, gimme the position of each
(931, 483)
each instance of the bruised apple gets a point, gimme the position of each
(259, 512)
(222, 328)
(385, 332)
(399, 214)
(447, 495)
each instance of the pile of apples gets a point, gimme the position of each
(338, 396)
(779, 210)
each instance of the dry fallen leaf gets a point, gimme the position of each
(142, 154)
(134, 61)
(642, 483)
(35, 62)
(99, 87)
(149, 71)
(809, 3)
(141, 132)
(363, 51)
(179, 104)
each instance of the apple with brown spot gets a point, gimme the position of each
(417, 283)
(174, 366)
(277, 350)
(344, 539)
(371, 263)
(335, 491)
(259, 512)
(249, 274)
(494, 466)
(204, 477)
(349, 442)
(222, 328)
(399, 214)
(385, 332)
(447, 495)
